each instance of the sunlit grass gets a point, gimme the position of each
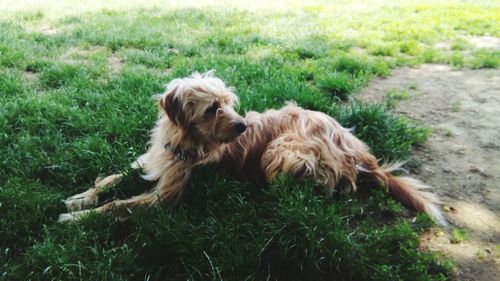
(485, 59)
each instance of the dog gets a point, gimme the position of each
(197, 125)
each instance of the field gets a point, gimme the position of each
(76, 81)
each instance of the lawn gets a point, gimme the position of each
(76, 81)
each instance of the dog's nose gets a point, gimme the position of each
(241, 127)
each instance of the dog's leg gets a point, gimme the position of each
(120, 208)
(317, 159)
(289, 154)
(90, 197)
(169, 188)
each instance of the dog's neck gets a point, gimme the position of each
(180, 153)
(182, 144)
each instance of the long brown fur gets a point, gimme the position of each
(197, 125)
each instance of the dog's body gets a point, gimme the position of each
(197, 125)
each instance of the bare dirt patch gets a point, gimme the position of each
(44, 29)
(115, 63)
(30, 77)
(461, 159)
(76, 55)
(471, 44)
(488, 42)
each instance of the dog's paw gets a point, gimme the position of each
(108, 181)
(81, 201)
(71, 217)
(98, 180)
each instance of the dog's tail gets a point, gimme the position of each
(409, 191)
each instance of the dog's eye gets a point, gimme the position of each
(213, 108)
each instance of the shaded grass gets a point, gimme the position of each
(285, 232)
(84, 117)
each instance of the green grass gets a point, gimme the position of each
(458, 235)
(76, 82)
(457, 59)
(485, 59)
(456, 106)
(460, 44)
(393, 96)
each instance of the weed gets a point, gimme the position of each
(481, 254)
(456, 106)
(412, 86)
(485, 59)
(447, 132)
(393, 96)
(458, 235)
(457, 59)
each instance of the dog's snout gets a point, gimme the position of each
(241, 127)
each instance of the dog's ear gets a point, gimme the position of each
(173, 107)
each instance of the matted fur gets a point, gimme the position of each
(197, 125)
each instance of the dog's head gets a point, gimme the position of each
(203, 108)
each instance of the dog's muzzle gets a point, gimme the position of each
(240, 127)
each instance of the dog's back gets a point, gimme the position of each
(308, 143)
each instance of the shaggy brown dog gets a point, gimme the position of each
(198, 125)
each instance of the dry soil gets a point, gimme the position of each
(461, 159)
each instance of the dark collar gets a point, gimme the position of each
(179, 153)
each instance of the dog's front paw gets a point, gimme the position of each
(81, 201)
(108, 182)
(71, 217)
